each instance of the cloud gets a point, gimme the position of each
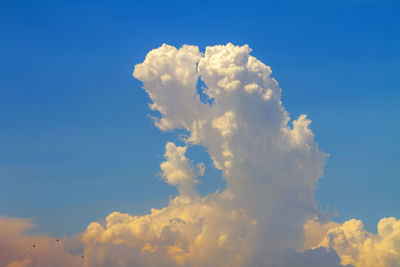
(309, 258)
(315, 231)
(270, 165)
(266, 215)
(18, 249)
(360, 248)
(191, 230)
(178, 171)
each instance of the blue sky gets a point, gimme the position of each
(77, 143)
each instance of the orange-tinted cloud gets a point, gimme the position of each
(19, 249)
(360, 248)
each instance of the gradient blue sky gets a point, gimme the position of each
(76, 142)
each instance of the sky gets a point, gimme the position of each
(77, 136)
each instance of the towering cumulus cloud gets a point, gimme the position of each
(270, 163)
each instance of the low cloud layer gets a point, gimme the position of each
(266, 215)
(19, 249)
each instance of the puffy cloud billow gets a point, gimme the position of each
(270, 166)
(363, 249)
(266, 215)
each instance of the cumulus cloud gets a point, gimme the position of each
(360, 248)
(191, 230)
(266, 215)
(18, 249)
(270, 166)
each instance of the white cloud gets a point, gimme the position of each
(178, 171)
(270, 168)
(266, 215)
(225, 124)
